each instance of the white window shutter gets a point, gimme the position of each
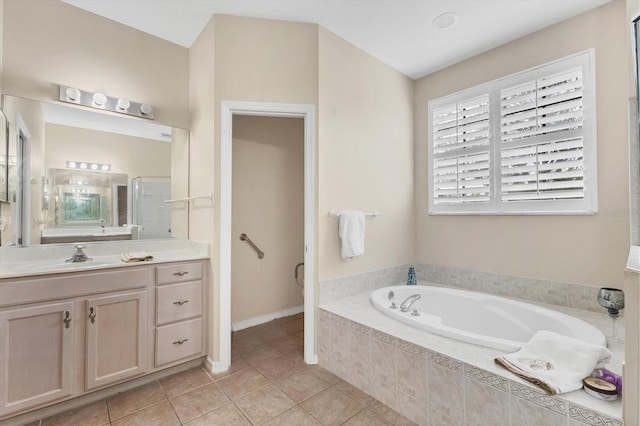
(460, 149)
(522, 144)
(541, 136)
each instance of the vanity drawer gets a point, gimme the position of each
(177, 341)
(178, 272)
(178, 301)
(61, 286)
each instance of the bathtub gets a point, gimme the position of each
(478, 318)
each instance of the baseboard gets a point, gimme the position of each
(241, 325)
(215, 367)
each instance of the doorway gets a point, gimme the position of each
(307, 113)
(267, 219)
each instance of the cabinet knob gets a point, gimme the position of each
(67, 319)
(180, 274)
(179, 342)
(92, 314)
(180, 302)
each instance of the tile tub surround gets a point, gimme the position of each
(436, 380)
(571, 295)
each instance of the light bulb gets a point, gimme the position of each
(99, 99)
(146, 109)
(123, 104)
(73, 94)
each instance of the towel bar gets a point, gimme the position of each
(337, 214)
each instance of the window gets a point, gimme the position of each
(522, 144)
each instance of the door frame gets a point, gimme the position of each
(265, 109)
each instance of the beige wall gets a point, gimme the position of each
(252, 60)
(201, 160)
(590, 250)
(268, 205)
(47, 43)
(585, 249)
(365, 159)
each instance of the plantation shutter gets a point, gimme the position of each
(460, 151)
(542, 146)
(521, 144)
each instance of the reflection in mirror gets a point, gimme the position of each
(3, 162)
(84, 176)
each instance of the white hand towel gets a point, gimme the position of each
(351, 231)
(555, 362)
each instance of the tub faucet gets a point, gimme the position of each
(406, 305)
(79, 255)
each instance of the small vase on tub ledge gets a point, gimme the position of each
(411, 276)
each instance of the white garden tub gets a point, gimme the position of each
(478, 318)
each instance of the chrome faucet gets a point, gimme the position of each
(79, 255)
(408, 302)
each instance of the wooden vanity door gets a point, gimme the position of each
(116, 338)
(36, 355)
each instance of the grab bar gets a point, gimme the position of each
(243, 237)
(298, 267)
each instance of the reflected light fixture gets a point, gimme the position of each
(99, 100)
(86, 165)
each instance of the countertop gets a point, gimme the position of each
(16, 262)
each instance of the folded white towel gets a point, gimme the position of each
(136, 256)
(351, 231)
(555, 362)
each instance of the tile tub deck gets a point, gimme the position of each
(433, 379)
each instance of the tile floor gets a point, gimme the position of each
(267, 384)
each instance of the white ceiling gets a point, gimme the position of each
(400, 33)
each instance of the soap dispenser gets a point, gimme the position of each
(411, 276)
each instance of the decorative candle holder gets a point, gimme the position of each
(613, 300)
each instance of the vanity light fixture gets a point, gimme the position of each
(84, 165)
(99, 100)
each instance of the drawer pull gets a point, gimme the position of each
(180, 274)
(67, 319)
(92, 314)
(179, 342)
(180, 302)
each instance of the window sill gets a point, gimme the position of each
(633, 261)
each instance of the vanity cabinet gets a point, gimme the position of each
(116, 338)
(36, 355)
(179, 298)
(64, 335)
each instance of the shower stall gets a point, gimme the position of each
(149, 210)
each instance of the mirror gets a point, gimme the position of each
(79, 175)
